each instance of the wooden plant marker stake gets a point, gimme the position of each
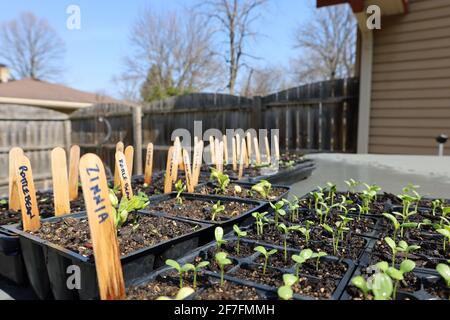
(176, 160)
(101, 225)
(211, 150)
(257, 153)
(119, 147)
(148, 164)
(125, 181)
(74, 164)
(60, 182)
(27, 194)
(197, 162)
(168, 177)
(187, 171)
(129, 156)
(246, 159)
(277, 147)
(180, 154)
(195, 141)
(266, 142)
(249, 147)
(233, 141)
(14, 200)
(225, 148)
(238, 147)
(219, 155)
(241, 160)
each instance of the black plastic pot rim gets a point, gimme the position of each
(73, 255)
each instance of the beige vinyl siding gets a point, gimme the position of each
(411, 80)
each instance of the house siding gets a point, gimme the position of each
(411, 80)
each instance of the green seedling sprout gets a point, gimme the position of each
(218, 234)
(126, 206)
(237, 189)
(401, 247)
(266, 255)
(318, 199)
(331, 192)
(293, 208)
(335, 237)
(343, 205)
(196, 269)
(352, 185)
(445, 213)
(306, 230)
(239, 234)
(216, 209)
(318, 255)
(261, 221)
(434, 205)
(222, 180)
(380, 285)
(182, 294)
(285, 292)
(285, 231)
(446, 234)
(444, 271)
(398, 274)
(180, 187)
(301, 258)
(181, 269)
(222, 261)
(394, 223)
(264, 188)
(341, 226)
(278, 208)
(362, 285)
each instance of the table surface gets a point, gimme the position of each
(335, 169)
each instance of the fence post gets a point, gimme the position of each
(256, 114)
(137, 134)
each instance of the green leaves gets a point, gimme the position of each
(218, 234)
(173, 264)
(304, 255)
(216, 209)
(239, 232)
(222, 261)
(180, 187)
(222, 180)
(182, 294)
(263, 188)
(382, 286)
(266, 254)
(391, 243)
(361, 284)
(285, 292)
(444, 271)
(137, 202)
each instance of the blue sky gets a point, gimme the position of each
(95, 53)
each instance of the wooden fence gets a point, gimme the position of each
(36, 131)
(319, 117)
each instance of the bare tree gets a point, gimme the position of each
(328, 45)
(172, 52)
(261, 82)
(31, 48)
(235, 19)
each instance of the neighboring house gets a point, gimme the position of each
(404, 71)
(36, 93)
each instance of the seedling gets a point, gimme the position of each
(444, 271)
(331, 192)
(278, 208)
(222, 261)
(285, 230)
(285, 292)
(318, 199)
(318, 255)
(216, 209)
(239, 234)
(263, 188)
(367, 196)
(394, 222)
(301, 258)
(446, 234)
(398, 274)
(180, 187)
(237, 189)
(182, 294)
(181, 269)
(266, 255)
(222, 180)
(137, 202)
(341, 226)
(380, 285)
(352, 185)
(218, 234)
(261, 221)
(335, 237)
(401, 247)
(362, 285)
(293, 208)
(306, 230)
(434, 205)
(196, 269)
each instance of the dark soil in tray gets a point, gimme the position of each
(229, 291)
(272, 278)
(245, 249)
(45, 205)
(200, 209)
(145, 231)
(317, 289)
(245, 193)
(437, 289)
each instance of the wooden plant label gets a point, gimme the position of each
(277, 147)
(119, 148)
(234, 147)
(176, 160)
(197, 162)
(241, 160)
(124, 176)
(211, 150)
(60, 182)
(225, 148)
(257, 153)
(74, 163)
(249, 147)
(148, 164)
(246, 159)
(101, 224)
(168, 181)
(187, 171)
(129, 156)
(268, 157)
(27, 195)
(180, 154)
(219, 155)
(238, 147)
(13, 196)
